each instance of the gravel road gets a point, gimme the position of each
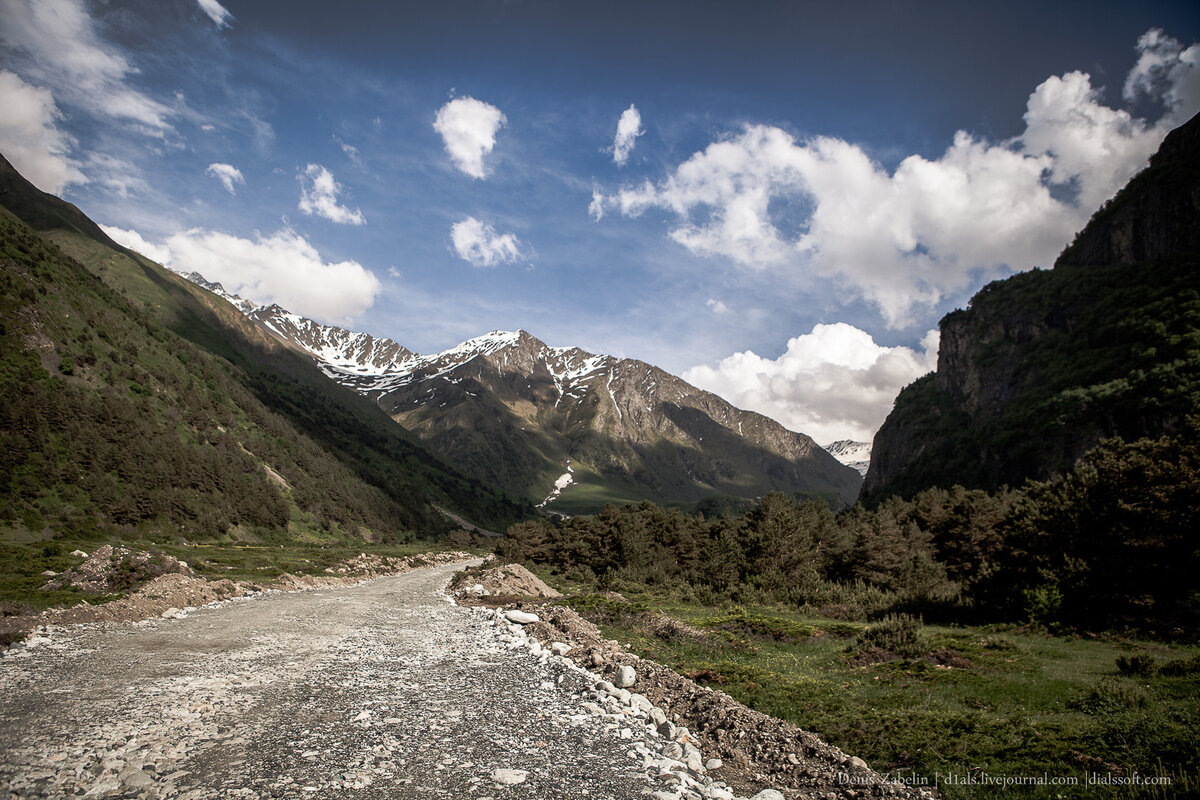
(383, 690)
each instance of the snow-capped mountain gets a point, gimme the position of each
(512, 410)
(852, 454)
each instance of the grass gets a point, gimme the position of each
(963, 701)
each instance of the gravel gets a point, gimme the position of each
(382, 690)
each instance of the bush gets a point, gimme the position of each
(1136, 664)
(896, 633)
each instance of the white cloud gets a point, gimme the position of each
(68, 55)
(30, 138)
(1166, 69)
(318, 195)
(717, 306)
(351, 152)
(468, 128)
(478, 244)
(216, 12)
(596, 207)
(134, 241)
(281, 268)
(119, 175)
(227, 174)
(930, 227)
(629, 127)
(833, 383)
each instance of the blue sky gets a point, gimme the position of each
(777, 200)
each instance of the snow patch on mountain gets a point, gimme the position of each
(852, 454)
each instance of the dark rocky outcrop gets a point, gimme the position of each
(1042, 366)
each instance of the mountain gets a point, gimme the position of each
(565, 428)
(132, 401)
(1044, 365)
(851, 453)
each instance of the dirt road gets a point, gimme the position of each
(384, 690)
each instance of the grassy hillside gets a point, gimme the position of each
(132, 403)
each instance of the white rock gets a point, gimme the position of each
(170, 613)
(768, 794)
(509, 777)
(856, 762)
(520, 617)
(626, 677)
(79, 554)
(714, 763)
(560, 648)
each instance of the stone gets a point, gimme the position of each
(560, 648)
(520, 617)
(658, 716)
(714, 763)
(856, 763)
(509, 777)
(768, 794)
(626, 677)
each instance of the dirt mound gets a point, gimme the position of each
(758, 751)
(117, 569)
(509, 580)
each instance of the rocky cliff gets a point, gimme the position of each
(1042, 366)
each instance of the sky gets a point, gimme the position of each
(775, 200)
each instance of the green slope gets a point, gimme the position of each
(131, 399)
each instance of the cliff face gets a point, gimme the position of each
(1044, 365)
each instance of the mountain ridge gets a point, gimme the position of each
(1044, 365)
(520, 412)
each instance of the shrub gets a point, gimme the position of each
(1136, 664)
(895, 633)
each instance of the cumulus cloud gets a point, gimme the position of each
(216, 12)
(227, 174)
(319, 193)
(66, 53)
(1168, 70)
(281, 268)
(907, 238)
(478, 244)
(629, 127)
(134, 241)
(832, 383)
(717, 306)
(30, 138)
(468, 128)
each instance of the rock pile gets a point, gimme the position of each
(509, 580)
(369, 565)
(115, 569)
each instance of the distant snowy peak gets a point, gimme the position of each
(340, 350)
(245, 306)
(351, 352)
(507, 350)
(852, 454)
